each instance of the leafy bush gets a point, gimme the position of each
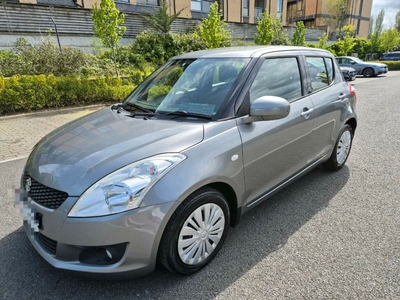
(392, 65)
(157, 48)
(362, 47)
(187, 42)
(27, 93)
(46, 58)
(154, 47)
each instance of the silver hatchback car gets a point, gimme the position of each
(163, 175)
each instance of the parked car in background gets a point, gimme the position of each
(349, 74)
(367, 69)
(163, 175)
(391, 56)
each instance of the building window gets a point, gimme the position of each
(201, 5)
(259, 6)
(147, 2)
(245, 8)
(123, 1)
(279, 10)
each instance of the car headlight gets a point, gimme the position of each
(125, 188)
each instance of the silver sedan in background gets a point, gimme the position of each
(367, 69)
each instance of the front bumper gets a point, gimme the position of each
(382, 71)
(60, 240)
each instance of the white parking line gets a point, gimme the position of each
(13, 159)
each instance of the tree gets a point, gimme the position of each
(161, 21)
(265, 32)
(299, 36)
(280, 34)
(379, 22)
(389, 39)
(397, 21)
(349, 30)
(323, 41)
(375, 42)
(371, 27)
(212, 30)
(108, 26)
(346, 45)
(335, 10)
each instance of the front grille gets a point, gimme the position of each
(45, 195)
(48, 243)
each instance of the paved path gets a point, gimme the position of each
(18, 134)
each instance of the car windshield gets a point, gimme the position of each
(357, 60)
(192, 86)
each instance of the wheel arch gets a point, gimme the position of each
(353, 123)
(229, 193)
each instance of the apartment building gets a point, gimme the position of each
(311, 12)
(239, 11)
(314, 14)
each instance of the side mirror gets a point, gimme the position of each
(268, 108)
(353, 62)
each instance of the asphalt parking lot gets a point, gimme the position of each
(326, 236)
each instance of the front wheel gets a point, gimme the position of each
(341, 150)
(195, 232)
(368, 72)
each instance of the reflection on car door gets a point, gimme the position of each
(275, 150)
(328, 97)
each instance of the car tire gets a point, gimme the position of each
(368, 72)
(342, 149)
(195, 232)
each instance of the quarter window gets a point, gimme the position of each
(329, 68)
(277, 77)
(318, 73)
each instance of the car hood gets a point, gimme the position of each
(76, 155)
(377, 65)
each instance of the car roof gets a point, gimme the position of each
(246, 51)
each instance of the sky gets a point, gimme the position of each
(391, 8)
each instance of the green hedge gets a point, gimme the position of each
(27, 93)
(392, 65)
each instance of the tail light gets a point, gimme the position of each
(352, 91)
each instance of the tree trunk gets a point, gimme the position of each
(115, 60)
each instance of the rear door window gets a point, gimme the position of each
(318, 73)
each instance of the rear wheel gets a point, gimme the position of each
(368, 72)
(341, 150)
(195, 232)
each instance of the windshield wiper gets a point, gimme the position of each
(187, 114)
(146, 110)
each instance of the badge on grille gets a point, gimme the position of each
(28, 184)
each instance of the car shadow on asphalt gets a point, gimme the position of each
(261, 232)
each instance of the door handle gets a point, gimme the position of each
(342, 96)
(306, 112)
